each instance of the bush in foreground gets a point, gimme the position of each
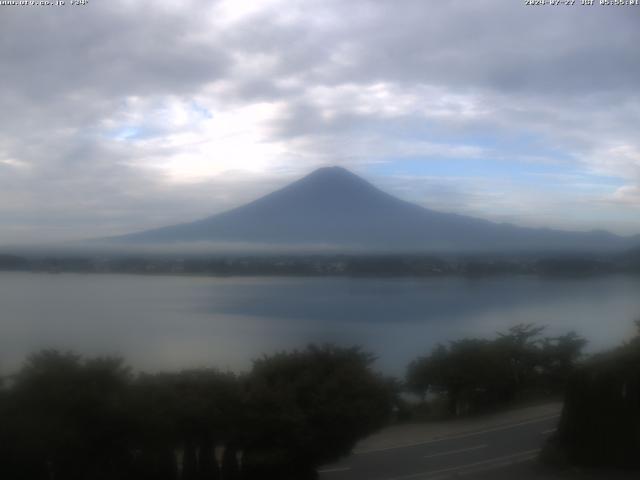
(600, 423)
(64, 417)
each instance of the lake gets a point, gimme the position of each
(172, 322)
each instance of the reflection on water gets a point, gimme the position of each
(174, 322)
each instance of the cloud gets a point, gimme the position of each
(628, 194)
(125, 115)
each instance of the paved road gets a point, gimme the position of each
(468, 453)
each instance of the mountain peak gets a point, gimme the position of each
(333, 170)
(333, 173)
(332, 179)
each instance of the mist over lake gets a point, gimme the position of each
(173, 322)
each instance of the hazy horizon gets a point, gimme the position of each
(331, 211)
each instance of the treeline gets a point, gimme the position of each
(474, 375)
(329, 265)
(67, 418)
(600, 423)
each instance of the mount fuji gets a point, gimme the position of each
(334, 207)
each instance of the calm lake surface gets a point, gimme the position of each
(159, 322)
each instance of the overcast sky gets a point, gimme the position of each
(122, 115)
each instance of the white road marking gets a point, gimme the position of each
(547, 432)
(335, 470)
(498, 461)
(462, 435)
(452, 452)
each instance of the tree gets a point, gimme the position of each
(307, 408)
(185, 415)
(65, 417)
(471, 373)
(521, 348)
(479, 374)
(600, 422)
(560, 355)
(68, 418)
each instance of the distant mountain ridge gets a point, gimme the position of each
(334, 207)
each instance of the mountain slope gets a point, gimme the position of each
(332, 206)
